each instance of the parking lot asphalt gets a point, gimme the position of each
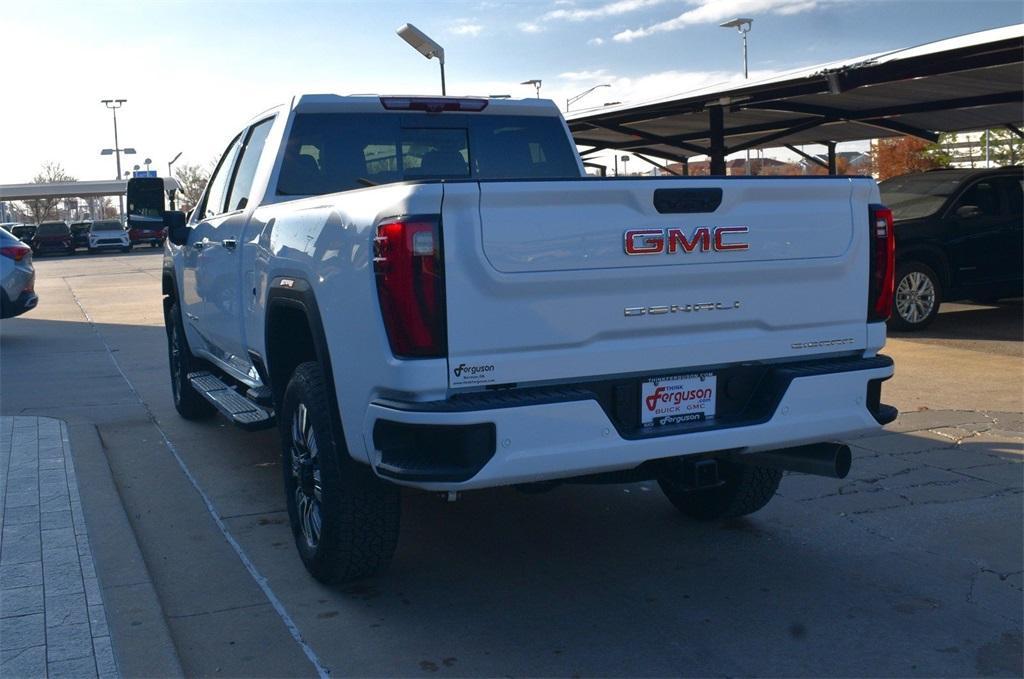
(911, 566)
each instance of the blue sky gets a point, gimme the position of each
(193, 72)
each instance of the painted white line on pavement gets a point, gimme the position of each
(261, 581)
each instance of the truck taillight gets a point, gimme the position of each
(882, 273)
(410, 284)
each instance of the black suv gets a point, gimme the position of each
(958, 236)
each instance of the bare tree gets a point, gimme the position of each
(40, 209)
(193, 180)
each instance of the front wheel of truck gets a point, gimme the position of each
(187, 401)
(343, 518)
(745, 489)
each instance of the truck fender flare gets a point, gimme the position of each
(297, 294)
(931, 255)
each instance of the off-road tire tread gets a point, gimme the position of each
(360, 512)
(747, 489)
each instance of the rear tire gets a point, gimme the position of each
(746, 490)
(917, 297)
(344, 519)
(187, 401)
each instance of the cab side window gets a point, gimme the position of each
(242, 185)
(213, 203)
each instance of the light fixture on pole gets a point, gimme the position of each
(625, 162)
(572, 100)
(742, 24)
(147, 163)
(536, 83)
(113, 105)
(172, 162)
(420, 42)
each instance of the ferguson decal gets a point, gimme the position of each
(671, 241)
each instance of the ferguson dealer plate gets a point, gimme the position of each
(677, 399)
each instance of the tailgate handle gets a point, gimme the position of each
(687, 201)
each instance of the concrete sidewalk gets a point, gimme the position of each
(52, 619)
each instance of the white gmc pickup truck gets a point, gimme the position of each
(429, 292)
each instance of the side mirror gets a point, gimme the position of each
(175, 223)
(968, 211)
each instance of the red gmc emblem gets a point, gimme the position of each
(670, 241)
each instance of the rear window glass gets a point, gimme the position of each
(52, 230)
(328, 152)
(918, 195)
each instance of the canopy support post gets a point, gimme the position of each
(831, 146)
(716, 118)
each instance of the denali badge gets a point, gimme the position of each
(822, 343)
(679, 308)
(669, 241)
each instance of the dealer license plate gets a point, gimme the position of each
(677, 399)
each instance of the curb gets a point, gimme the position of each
(141, 639)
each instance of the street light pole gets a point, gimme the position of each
(536, 84)
(572, 100)
(420, 42)
(113, 105)
(742, 24)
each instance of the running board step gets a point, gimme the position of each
(237, 408)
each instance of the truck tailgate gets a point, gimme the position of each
(540, 286)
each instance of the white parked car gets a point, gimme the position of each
(108, 234)
(428, 292)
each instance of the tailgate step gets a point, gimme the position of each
(237, 408)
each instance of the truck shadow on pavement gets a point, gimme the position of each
(910, 565)
(1002, 321)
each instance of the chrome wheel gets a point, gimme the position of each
(915, 297)
(305, 458)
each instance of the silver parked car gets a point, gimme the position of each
(17, 277)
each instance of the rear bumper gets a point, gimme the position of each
(51, 246)
(26, 301)
(523, 436)
(108, 246)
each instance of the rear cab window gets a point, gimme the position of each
(330, 152)
(52, 229)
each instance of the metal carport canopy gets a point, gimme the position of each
(85, 189)
(970, 82)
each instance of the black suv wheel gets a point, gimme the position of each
(916, 298)
(344, 519)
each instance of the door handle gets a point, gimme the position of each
(199, 245)
(229, 243)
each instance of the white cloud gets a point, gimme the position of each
(609, 9)
(530, 27)
(596, 41)
(584, 75)
(714, 11)
(466, 27)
